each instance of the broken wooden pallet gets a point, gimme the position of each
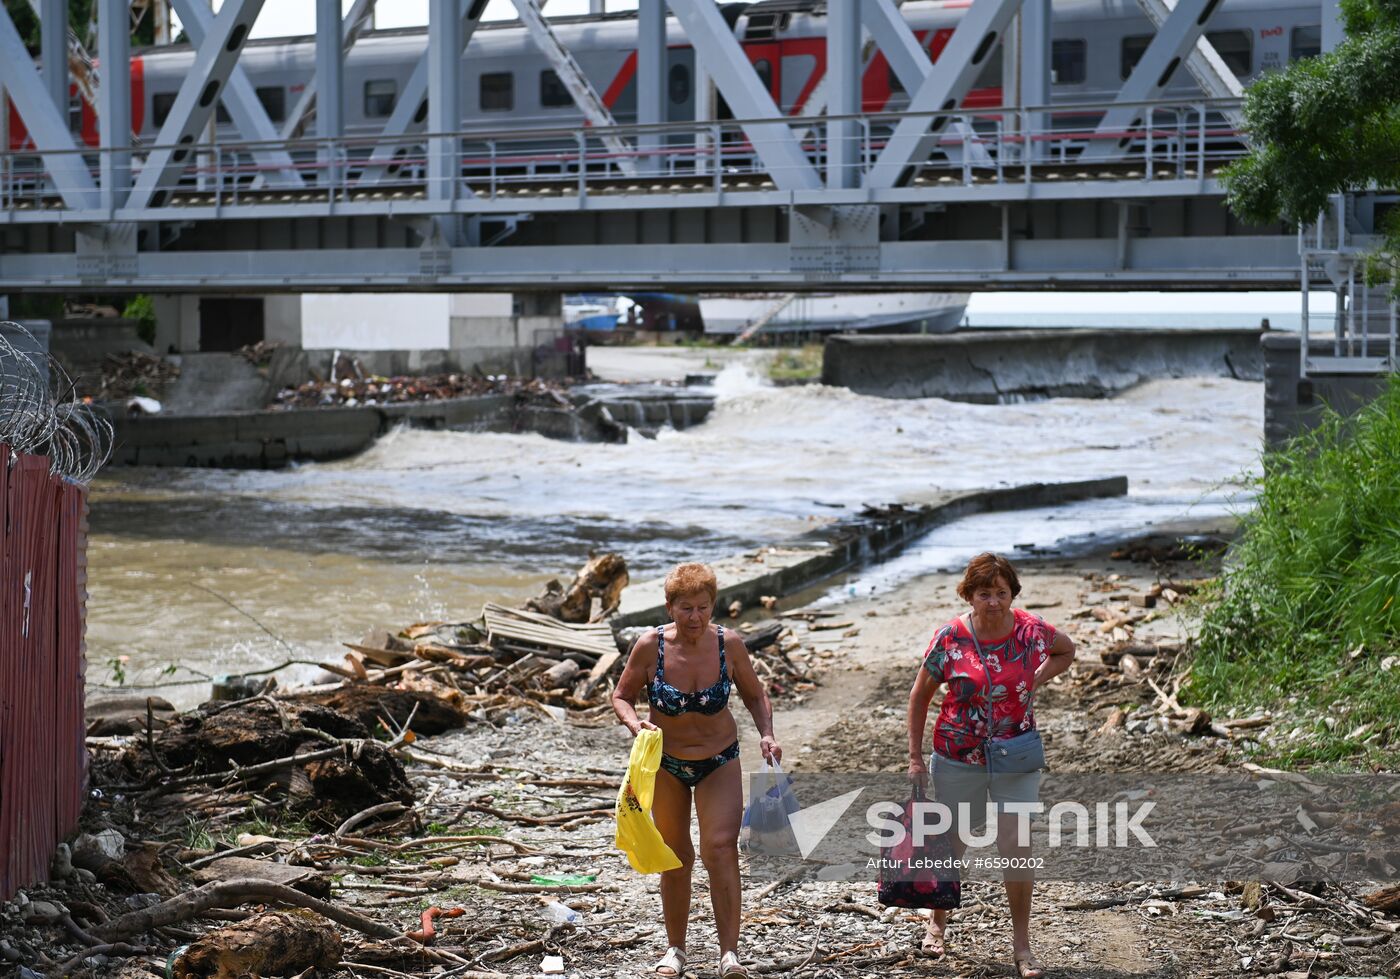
(590, 641)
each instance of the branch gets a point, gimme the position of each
(228, 894)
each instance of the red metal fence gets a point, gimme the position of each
(43, 577)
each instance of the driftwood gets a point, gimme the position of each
(275, 943)
(603, 577)
(231, 894)
(435, 710)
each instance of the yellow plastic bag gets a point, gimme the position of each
(637, 836)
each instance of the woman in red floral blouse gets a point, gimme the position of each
(992, 659)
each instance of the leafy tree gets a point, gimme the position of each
(1326, 125)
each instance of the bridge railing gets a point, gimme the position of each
(1181, 139)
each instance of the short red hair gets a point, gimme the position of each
(691, 579)
(983, 572)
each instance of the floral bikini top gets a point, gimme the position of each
(672, 702)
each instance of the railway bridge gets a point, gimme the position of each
(1036, 192)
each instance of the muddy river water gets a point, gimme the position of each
(431, 524)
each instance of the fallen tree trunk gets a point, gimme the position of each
(275, 943)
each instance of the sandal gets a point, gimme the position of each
(672, 964)
(932, 946)
(1029, 967)
(729, 965)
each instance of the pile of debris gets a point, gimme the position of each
(128, 375)
(373, 389)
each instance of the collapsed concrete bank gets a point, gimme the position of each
(993, 366)
(876, 535)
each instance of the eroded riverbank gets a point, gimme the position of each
(533, 797)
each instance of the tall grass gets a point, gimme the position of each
(1309, 609)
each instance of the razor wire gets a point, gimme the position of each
(42, 414)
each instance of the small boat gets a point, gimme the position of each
(834, 312)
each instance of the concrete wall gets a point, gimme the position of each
(1292, 404)
(375, 321)
(998, 365)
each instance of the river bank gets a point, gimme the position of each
(518, 803)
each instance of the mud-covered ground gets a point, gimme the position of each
(493, 781)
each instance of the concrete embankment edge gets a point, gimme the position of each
(990, 366)
(867, 540)
(271, 439)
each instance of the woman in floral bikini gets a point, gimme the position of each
(992, 660)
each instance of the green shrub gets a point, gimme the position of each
(1308, 618)
(143, 311)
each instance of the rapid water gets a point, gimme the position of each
(431, 524)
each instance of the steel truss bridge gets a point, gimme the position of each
(1124, 193)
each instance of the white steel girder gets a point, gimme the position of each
(945, 85)
(774, 142)
(114, 111)
(651, 88)
(359, 17)
(1035, 72)
(239, 98)
(1203, 62)
(1176, 36)
(444, 99)
(215, 60)
(330, 81)
(47, 126)
(411, 109)
(843, 63)
(53, 49)
(572, 78)
(909, 61)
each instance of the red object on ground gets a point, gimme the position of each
(427, 933)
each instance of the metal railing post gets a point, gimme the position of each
(1148, 148)
(582, 139)
(1200, 141)
(1027, 144)
(717, 151)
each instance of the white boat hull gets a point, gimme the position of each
(909, 312)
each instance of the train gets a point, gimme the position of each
(508, 83)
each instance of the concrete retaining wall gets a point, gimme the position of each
(987, 367)
(1292, 404)
(271, 439)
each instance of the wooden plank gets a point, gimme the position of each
(595, 676)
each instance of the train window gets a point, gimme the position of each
(75, 115)
(1131, 52)
(274, 100)
(221, 114)
(161, 104)
(1068, 60)
(1235, 49)
(678, 84)
(553, 94)
(1305, 42)
(497, 91)
(764, 69)
(379, 98)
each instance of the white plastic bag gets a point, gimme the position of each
(767, 830)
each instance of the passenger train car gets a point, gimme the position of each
(507, 82)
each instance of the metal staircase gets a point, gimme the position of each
(1364, 319)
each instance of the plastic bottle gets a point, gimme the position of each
(561, 914)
